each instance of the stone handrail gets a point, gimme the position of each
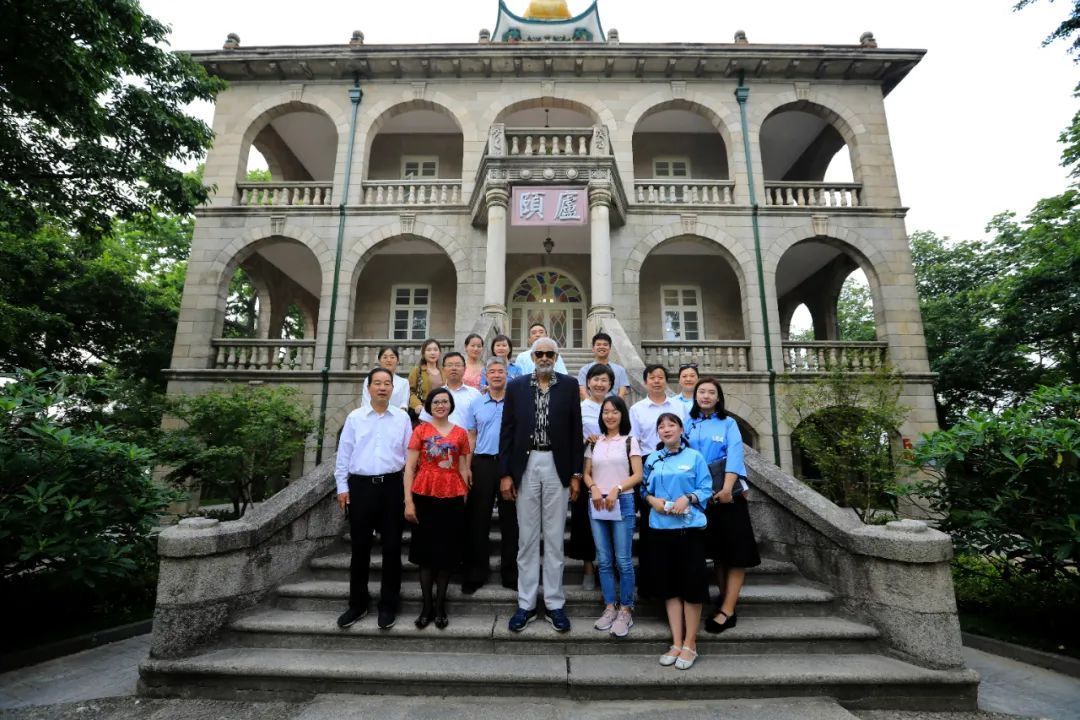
(245, 354)
(285, 193)
(412, 191)
(827, 355)
(895, 576)
(813, 194)
(624, 353)
(684, 192)
(549, 141)
(711, 356)
(363, 354)
(210, 570)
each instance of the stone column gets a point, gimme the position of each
(498, 198)
(600, 246)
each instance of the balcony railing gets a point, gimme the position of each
(813, 194)
(549, 141)
(711, 356)
(412, 192)
(684, 192)
(827, 355)
(364, 354)
(285, 193)
(243, 354)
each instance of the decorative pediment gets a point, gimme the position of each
(546, 26)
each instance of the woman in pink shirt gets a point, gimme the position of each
(612, 470)
(474, 360)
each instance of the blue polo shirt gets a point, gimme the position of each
(485, 417)
(669, 476)
(715, 439)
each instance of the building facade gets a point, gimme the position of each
(671, 194)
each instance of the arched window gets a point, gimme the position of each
(552, 298)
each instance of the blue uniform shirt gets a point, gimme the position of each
(485, 417)
(715, 439)
(512, 371)
(669, 476)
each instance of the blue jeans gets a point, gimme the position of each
(614, 539)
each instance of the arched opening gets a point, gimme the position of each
(547, 113)
(415, 155)
(749, 434)
(678, 146)
(800, 327)
(404, 291)
(692, 306)
(287, 157)
(807, 158)
(273, 292)
(551, 297)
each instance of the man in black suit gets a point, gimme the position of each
(541, 456)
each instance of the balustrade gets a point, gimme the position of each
(711, 356)
(825, 355)
(684, 192)
(364, 354)
(285, 193)
(549, 141)
(813, 194)
(243, 354)
(412, 192)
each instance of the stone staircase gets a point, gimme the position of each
(793, 640)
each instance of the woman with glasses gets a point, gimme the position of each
(729, 537)
(677, 485)
(437, 479)
(612, 469)
(688, 377)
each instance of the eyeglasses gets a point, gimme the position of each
(688, 366)
(549, 354)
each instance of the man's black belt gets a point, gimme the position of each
(377, 479)
(542, 448)
(486, 456)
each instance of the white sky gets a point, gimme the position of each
(974, 126)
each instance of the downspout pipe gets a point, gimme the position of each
(742, 95)
(355, 95)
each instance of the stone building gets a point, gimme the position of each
(415, 191)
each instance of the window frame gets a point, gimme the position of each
(681, 308)
(410, 309)
(670, 161)
(419, 160)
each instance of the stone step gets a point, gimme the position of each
(857, 680)
(488, 633)
(777, 600)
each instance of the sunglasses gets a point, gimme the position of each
(549, 354)
(688, 366)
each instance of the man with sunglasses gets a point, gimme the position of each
(524, 358)
(541, 454)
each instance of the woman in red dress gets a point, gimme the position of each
(437, 478)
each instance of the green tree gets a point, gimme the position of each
(92, 116)
(855, 312)
(238, 441)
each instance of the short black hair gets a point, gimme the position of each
(502, 338)
(438, 391)
(650, 369)
(391, 348)
(601, 336)
(378, 369)
(600, 369)
(721, 411)
(453, 353)
(470, 337)
(624, 414)
(538, 324)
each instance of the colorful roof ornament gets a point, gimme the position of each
(548, 21)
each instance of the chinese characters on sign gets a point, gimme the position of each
(549, 206)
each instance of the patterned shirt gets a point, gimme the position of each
(543, 400)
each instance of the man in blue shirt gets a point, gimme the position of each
(601, 350)
(483, 421)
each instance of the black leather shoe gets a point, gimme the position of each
(386, 619)
(711, 626)
(423, 621)
(351, 616)
(441, 621)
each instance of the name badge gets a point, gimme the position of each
(718, 438)
(684, 467)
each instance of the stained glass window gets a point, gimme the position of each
(546, 286)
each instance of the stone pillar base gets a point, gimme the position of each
(499, 317)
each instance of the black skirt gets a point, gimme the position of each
(581, 545)
(729, 536)
(438, 533)
(677, 565)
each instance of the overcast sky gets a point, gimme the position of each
(974, 126)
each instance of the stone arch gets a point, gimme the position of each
(259, 116)
(387, 109)
(661, 100)
(734, 252)
(572, 100)
(824, 105)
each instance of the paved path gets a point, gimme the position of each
(112, 671)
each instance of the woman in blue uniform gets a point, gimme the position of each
(729, 536)
(677, 485)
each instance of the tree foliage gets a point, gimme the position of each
(855, 312)
(92, 114)
(238, 441)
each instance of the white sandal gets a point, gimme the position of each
(681, 664)
(669, 660)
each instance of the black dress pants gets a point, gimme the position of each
(483, 495)
(376, 506)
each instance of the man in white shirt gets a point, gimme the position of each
(524, 358)
(644, 412)
(601, 350)
(453, 365)
(371, 491)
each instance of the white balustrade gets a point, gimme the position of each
(711, 356)
(549, 141)
(684, 192)
(412, 192)
(285, 193)
(364, 354)
(825, 356)
(244, 354)
(813, 194)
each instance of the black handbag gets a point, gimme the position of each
(717, 469)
